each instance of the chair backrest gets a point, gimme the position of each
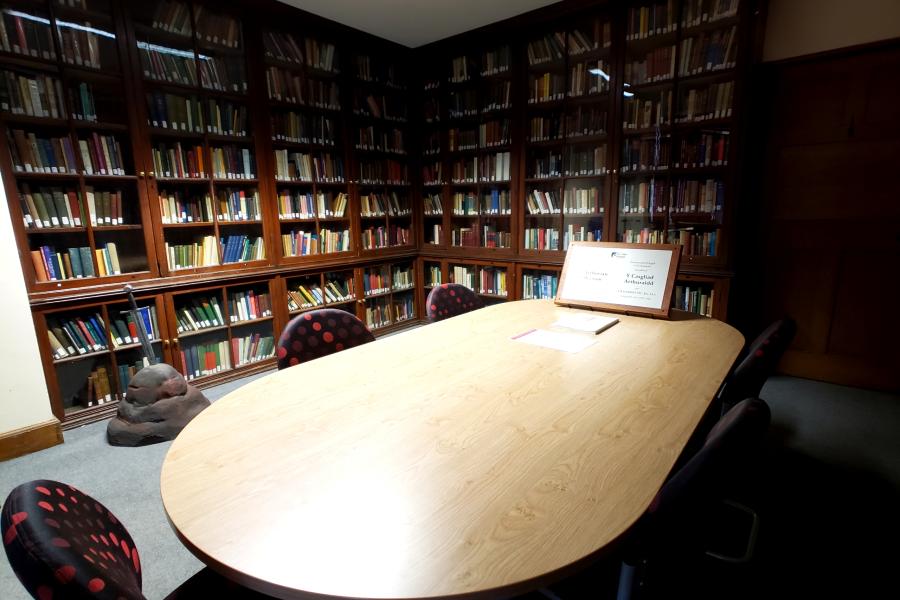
(450, 299)
(318, 333)
(759, 362)
(62, 543)
(699, 483)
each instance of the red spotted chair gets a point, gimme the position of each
(318, 333)
(63, 544)
(450, 299)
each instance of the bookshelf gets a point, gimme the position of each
(201, 162)
(195, 149)
(625, 126)
(381, 142)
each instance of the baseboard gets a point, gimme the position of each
(26, 440)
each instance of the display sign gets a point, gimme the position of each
(627, 278)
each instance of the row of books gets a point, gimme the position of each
(433, 276)
(546, 49)
(494, 133)
(462, 139)
(232, 162)
(643, 154)
(389, 108)
(284, 85)
(77, 335)
(402, 278)
(81, 44)
(535, 287)
(242, 248)
(462, 103)
(126, 374)
(496, 61)
(202, 253)
(657, 65)
(461, 69)
(403, 308)
(598, 36)
(216, 28)
(547, 87)
(201, 360)
(545, 165)
(372, 138)
(580, 233)
(306, 205)
(173, 160)
(698, 300)
(75, 263)
(224, 75)
(487, 168)
(386, 172)
(300, 166)
(379, 205)
(310, 295)
(97, 388)
(703, 103)
(376, 281)
(50, 207)
(644, 197)
(21, 34)
(300, 129)
(433, 205)
(492, 281)
(32, 95)
(305, 243)
(434, 234)
(464, 237)
(696, 12)
(199, 313)
(247, 305)
(283, 47)
(374, 238)
(171, 111)
(698, 197)
(541, 238)
(125, 330)
(378, 313)
(695, 243)
(582, 201)
(100, 154)
(382, 72)
(431, 173)
(708, 51)
(581, 162)
(703, 150)
(644, 112)
(173, 16)
(646, 21)
(579, 122)
(232, 205)
(491, 238)
(252, 348)
(587, 78)
(644, 235)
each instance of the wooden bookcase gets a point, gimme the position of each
(240, 146)
(626, 125)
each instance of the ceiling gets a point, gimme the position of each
(417, 22)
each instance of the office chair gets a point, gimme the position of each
(318, 333)
(63, 544)
(678, 519)
(759, 363)
(449, 300)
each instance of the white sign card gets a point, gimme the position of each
(635, 278)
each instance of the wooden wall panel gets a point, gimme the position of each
(829, 215)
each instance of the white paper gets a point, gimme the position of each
(585, 322)
(625, 276)
(567, 342)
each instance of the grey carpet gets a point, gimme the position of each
(843, 428)
(126, 480)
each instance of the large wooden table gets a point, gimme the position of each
(449, 460)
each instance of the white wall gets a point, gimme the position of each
(798, 27)
(23, 392)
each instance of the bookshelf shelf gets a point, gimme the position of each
(89, 355)
(185, 334)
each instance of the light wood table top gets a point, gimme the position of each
(446, 460)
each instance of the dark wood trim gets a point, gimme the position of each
(32, 438)
(834, 53)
